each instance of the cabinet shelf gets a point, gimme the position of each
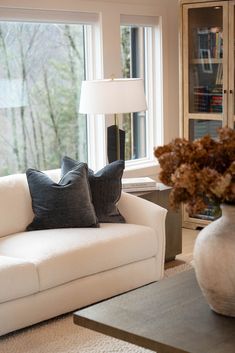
(205, 116)
(212, 61)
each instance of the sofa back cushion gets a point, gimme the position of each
(15, 202)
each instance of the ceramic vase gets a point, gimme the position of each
(214, 262)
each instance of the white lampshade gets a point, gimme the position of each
(112, 96)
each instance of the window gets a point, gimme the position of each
(41, 69)
(44, 56)
(138, 51)
(133, 65)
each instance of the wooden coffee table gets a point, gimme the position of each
(169, 316)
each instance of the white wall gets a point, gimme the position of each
(110, 12)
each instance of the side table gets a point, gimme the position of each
(160, 196)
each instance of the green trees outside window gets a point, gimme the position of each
(133, 54)
(41, 69)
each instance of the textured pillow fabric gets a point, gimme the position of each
(105, 189)
(63, 205)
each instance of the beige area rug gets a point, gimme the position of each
(60, 335)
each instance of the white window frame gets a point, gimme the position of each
(95, 123)
(48, 16)
(95, 126)
(154, 87)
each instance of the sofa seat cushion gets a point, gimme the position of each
(63, 255)
(18, 278)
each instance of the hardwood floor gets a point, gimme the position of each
(188, 239)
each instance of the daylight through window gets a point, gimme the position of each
(41, 69)
(134, 58)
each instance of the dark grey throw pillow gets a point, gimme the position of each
(105, 188)
(63, 205)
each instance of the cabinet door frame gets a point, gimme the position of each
(231, 70)
(185, 61)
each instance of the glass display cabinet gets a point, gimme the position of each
(207, 76)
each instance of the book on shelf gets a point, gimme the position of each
(140, 189)
(216, 101)
(219, 76)
(138, 184)
(210, 213)
(207, 99)
(201, 99)
(209, 42)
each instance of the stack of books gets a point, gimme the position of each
(209, 42)
(138, 184)
(216, 102)
(201, 99)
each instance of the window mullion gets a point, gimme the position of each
(95, 123)
(149, 87)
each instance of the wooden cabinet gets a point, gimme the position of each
(207, 75)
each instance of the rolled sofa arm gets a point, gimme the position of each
(136, 210)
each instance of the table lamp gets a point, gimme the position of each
(113, 96)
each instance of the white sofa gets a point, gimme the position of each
(46, 273)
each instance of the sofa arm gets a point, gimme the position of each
(136, 210)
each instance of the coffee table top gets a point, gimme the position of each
(169, 316)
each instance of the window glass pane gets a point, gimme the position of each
(233, 41)
(41, 69)
(206, 59)
(134, 58)
(200, 128)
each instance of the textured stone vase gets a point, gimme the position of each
(214, 261)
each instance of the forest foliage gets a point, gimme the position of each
(41, 69)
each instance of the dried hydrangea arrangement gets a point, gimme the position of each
(199, 170)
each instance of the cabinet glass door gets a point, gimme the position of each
(205, 69)
(206, 60)
(231, 97)
(205, 30)
(233, 65)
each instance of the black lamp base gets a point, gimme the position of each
(112, 151)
